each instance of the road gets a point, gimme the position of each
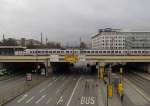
(76, 90)
(62, 90)
(11, 83)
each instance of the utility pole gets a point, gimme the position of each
(80, 42)
(3, 38)
(41, 38)
(46, 40)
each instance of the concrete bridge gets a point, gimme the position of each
(70, 59)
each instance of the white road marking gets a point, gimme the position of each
(87, 100)
(40, 99)
(60, 100)
(49, 100)
(42, 90)
(73, 91)
(24, 96)
(51, 83)
(30, 99)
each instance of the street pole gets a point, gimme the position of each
(107, 96)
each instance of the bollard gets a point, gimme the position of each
(120, 88)
(110, 91)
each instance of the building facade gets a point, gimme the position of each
(138, 40)
(113, 39)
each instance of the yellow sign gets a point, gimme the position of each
(110, 91)
(121, 70)
(120, 88)
(71, 58)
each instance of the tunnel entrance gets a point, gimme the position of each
(73, 68)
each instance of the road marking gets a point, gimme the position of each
(40, 99)
(73, 91)
(49, 100)
(30, 99)
(60, 100)
(87, 100)
(24, 96)
(42, 90)
(51, 83)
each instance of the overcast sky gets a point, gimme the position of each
(67, 20)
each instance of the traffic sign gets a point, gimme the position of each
(71, 58)
(54, 58)
(121, 70)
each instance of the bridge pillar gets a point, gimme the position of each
(101, 71)
(47, 64)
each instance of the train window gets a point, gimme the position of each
(58, 51)
(104, 51)
(143, 51)
(96, 51)
(100, 51)
(119, 51)
(83, 51)
(30, 51)
(116, 51)
(67, 51)
(112, 51)
(35, 51)
(50, 51)
(54, 51)
(46, 51)
(92, 51)
(108, 51)
(42, 51)
(135, 51)
(62, 51)
(88, 51)
(71, 51)
(39, 51)
(139, 51)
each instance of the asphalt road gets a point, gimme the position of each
(62, 90)
(7, 85)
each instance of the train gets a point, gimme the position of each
(83, 52)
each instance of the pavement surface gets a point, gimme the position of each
(76, 90)
(62, 90)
